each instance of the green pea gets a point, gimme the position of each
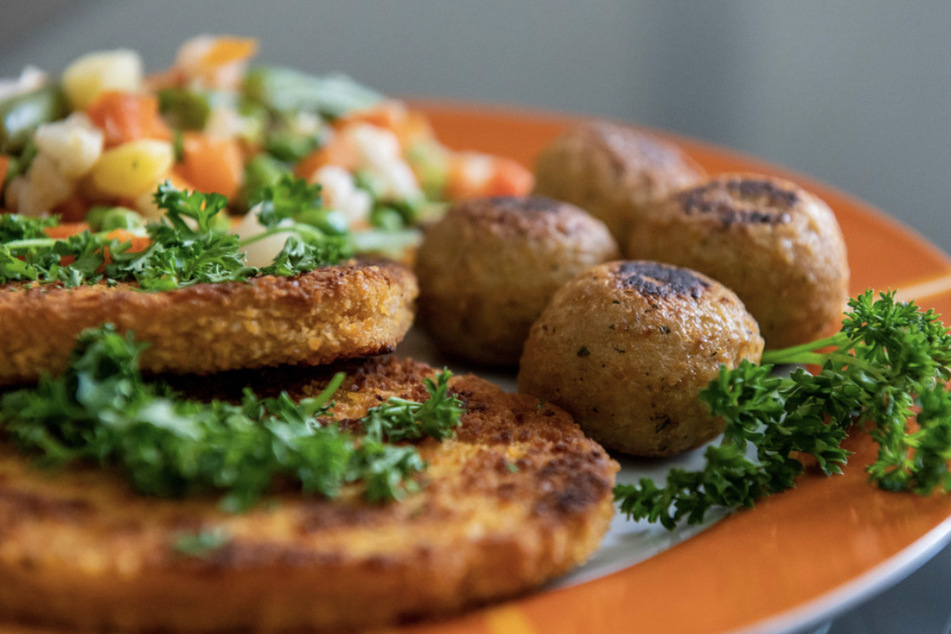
(186, 109)
(119, 218)
(289, 146)
(288, 90)
(94, 216)
(387, 218)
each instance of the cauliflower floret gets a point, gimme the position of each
(66, 151)
(378, 151)
(223, 122)
(215, 62)
(46, 186)
(73, 144)
(29, 80)
(305, 124)
(339, 192)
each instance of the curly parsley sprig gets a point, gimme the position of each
(887, 366)
(101, 411)
(188, 246)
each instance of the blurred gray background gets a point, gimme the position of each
(856, 93)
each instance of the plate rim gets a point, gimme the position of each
(885, 572)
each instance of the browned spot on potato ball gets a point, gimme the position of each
(741, 200)
(655, 280)
(773, 243)
(626, 348)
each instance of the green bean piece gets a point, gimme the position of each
(285, 90)
(21, 115)
(330, 221)
(185, 109)
(287, 146)
(387, 218)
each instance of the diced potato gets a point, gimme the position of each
(74, 144)
(130, 169)
(94, 73)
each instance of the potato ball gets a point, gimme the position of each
(626, 348)
(612, 171)
(487, 269)
(775, 245)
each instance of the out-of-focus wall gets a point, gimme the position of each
(853, 92)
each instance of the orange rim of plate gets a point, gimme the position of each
(797, 556)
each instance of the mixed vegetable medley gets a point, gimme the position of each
(98, 140)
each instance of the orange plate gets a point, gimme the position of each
(798, 556)
(795, 558)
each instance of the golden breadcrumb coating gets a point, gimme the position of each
(517, 498)
(330, 313)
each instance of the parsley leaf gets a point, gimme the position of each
(187, 247)
(101, 411)
(885, 371)
(18, 227)
(285, 199)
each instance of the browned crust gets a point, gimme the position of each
(317, 317)
(536, 218)
(776, 245)
(489, 266)
(613, 171)
(517, 498)
(626, 348)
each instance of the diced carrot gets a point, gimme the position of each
(126, 117)
(227, 49)
(334, 152)
(66, 229)
(472, 174)
(139, 243)
(168, 78)
(212, 164)
(176, 179)
(510, 179)
(4, 167)
(212, 62)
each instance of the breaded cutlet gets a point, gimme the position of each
(334, 312)
(518, 497)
